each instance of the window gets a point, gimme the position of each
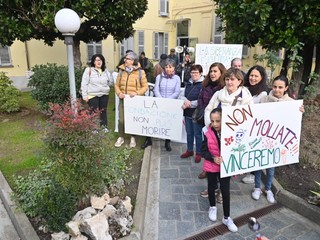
(218, 35)
(164, 8)
(245, 51)
(5, 58)
(140, 41)
(160, 43)
(126, 44)
(93, 48)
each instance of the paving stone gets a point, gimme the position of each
(280, 238)
(182, 181)
(193, 189)
(232, 236)
(294, 230)
(177, 189)
(187, 215)
(169, 173)
(273, 222)
(312, 235)
(184, 172)
(167, 230)
(201, 220)
(185, 228)
(169, 211)
(189, 206)
(165, 191)
(184, 198)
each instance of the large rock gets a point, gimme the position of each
(84, 214)
(60, 236)
(127, 204)
(120, 222)
(73, 228)
(81, 237)
(109, 210)
(97, 227)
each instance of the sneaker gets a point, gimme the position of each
(119, 142)
(132, 142)
(186, 154)
(218, 196)
(249, 178)
(204, 193)
(202, 175)
(197, 159)
(256, 193)
(213, 214)
(229, 223)
(270, 196)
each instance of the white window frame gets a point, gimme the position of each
(126, 44)
(160, 44)
(218, 36)
(5, 56)
(96, 48)
(140, 42)
(164, 8)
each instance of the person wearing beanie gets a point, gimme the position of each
(131, 81)
(159, 67)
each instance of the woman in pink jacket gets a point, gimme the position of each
(210, 151)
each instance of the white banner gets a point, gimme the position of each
(153, 117)
(260, 136)
(206, 54)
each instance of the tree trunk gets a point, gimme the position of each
(307, 66)
(77, 54)
(285, 63)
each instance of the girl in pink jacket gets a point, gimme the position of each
(210, 151)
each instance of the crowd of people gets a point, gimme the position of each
(207, 92)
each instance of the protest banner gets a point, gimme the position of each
(153, 117)
(206, 54)
(260, 136)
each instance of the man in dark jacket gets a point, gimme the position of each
(145, 64)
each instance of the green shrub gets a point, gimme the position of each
(9, 95)
(50, 83)
(40, 195)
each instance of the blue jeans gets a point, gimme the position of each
(194, 131)
(257, 181)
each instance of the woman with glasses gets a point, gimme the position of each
(95, 88)
(191, 94)
(131, 81)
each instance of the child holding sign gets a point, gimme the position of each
(210, 151)
(277, 94)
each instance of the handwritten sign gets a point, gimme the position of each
(153, 117)
(260, 136)
(206, 54)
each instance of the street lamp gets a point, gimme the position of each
(68, 23)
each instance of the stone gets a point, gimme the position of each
(109, 210)
(81, 237)
(106, 197)
(97, 227)
(120, 222)
(127, 204)
(114, 200)
(73, 228)
(84, 214)
(97, 202)
(60, 236)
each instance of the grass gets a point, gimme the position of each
(20, 137)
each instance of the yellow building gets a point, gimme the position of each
(165, 25)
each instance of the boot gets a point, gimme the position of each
(147, 142)
(167, 145)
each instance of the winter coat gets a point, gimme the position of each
(129, 82)
(191, 93)
(167, 87)
(206, 95)
(94, 84)
(210, 148)
(227, 99)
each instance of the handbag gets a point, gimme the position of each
(198, 115)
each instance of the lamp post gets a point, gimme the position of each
(67, 22)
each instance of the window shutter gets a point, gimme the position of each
(166, 42)
(245, 51)
(156, 45)
(140, 41)
(164, 6)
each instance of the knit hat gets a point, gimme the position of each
(163, 56)
(132, 55)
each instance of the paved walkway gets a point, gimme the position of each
(174, 210)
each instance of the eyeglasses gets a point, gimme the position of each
(194, 72)
(128, 59)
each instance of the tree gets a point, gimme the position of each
(24, 20)
(275, 25)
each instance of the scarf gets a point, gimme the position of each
(227, 99)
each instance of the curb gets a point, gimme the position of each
(18, 218)
(296, 203)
